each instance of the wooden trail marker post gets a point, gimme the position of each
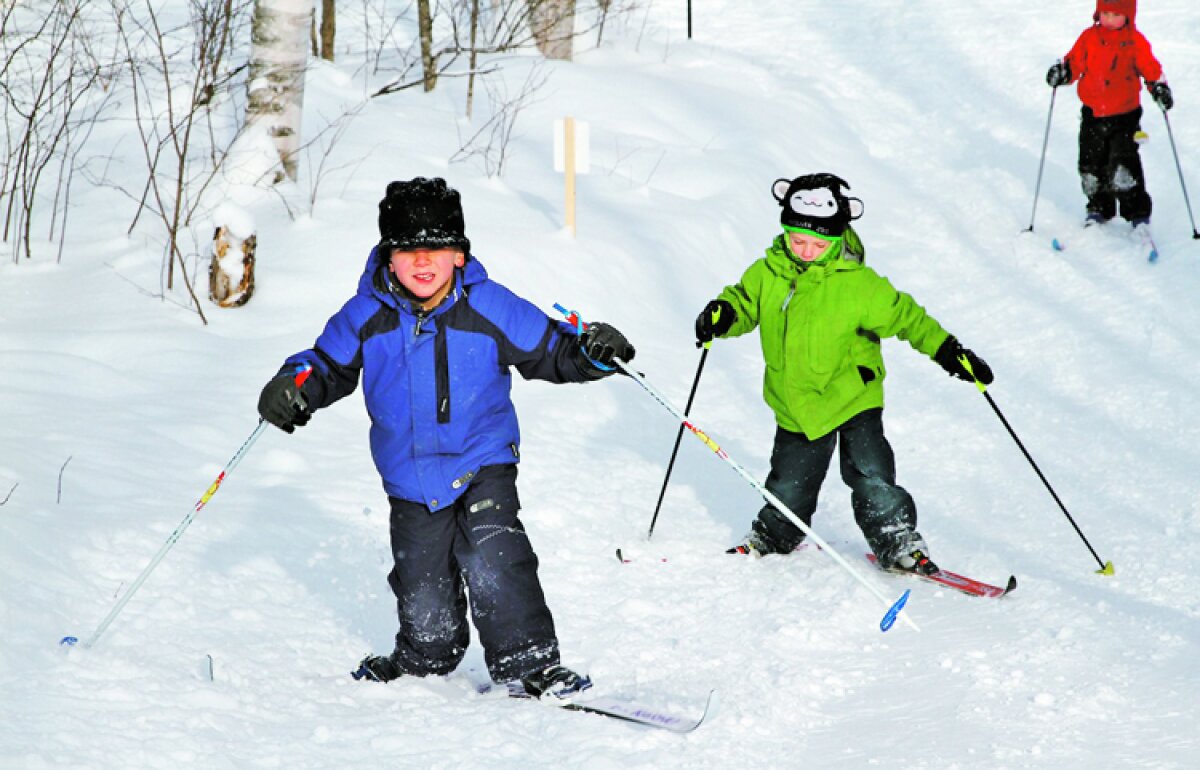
(571, 156)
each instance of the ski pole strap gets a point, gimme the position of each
(966, 363)
(301, 374)
(575, 320)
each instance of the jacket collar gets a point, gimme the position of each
(375, 282)
(780, 260)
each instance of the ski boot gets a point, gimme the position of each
(556, 680)
(377, 668)
(751, 545)
(759, 545)
(914, 561)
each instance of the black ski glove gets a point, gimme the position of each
(947, 357)
(1162, 94)
(282, 404)
(601, 343)
(715, 319)
(1059, 74)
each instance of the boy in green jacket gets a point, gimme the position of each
(821, 315)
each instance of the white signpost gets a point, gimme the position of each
(571, 156)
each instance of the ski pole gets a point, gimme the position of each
(894, 608)
(70, 641)
(1179, 168)
(1042, 163)
(1106, 568)
(678, 438)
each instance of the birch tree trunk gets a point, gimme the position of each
(328, 28)
(279, 36)
(553, 26)
(425, 29)
(474, 56)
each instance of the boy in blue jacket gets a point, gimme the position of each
(434, 341)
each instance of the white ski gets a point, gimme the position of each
(1149, 249)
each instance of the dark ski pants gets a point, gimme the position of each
(885, 512)
(478, 548)
(1110, 168)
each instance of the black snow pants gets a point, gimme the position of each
(478, 547)
(885, 512)
(1110, 168)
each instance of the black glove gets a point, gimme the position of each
(282, 404)
(715, 319)
(602, 343)
(1162, 94)
(947, 357)
(1059, 74)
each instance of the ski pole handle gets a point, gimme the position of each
(302, 373)
(966, 364)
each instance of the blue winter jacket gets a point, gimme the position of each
(438, 383)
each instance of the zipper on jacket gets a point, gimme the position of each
(788, 299)
(784, 334)
(420, 314)
(441, 358)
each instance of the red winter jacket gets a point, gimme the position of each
(1107, 63)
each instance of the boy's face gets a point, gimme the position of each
(1110, 20)
(807, 248)
(427, 273)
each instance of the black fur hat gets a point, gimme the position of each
(421, 214)
(817, 202)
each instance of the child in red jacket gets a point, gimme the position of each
(1108, 59)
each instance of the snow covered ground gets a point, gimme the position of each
(934, 112)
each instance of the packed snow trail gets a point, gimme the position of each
(934, 113)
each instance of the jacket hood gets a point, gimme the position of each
(1127, 8)
(375, 282)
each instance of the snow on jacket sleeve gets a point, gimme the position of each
(336, 358)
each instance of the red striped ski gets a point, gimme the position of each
(966, 585)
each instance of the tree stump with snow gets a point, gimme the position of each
(231, 272)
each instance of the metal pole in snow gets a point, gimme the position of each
(762, 490)
(895, 609)
(179, 530)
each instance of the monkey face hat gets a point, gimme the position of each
(817, 203)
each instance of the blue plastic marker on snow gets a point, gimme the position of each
(890, 618)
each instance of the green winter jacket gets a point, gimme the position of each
(820, 326)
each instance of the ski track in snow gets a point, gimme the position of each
(934, 113)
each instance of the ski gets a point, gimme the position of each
(966, 585)
(626, 559)
(620, 708)
(630, 711)
(1146, 245)
(1149, 248)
